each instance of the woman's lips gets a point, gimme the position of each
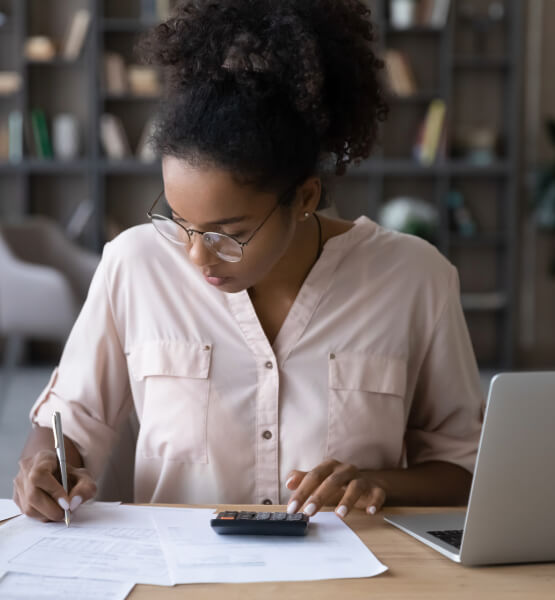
(216, 281)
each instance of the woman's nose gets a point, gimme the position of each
(199, 254)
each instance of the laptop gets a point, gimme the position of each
(511, 510)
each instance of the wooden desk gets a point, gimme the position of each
(415, 572)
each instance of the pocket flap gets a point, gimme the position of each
(367, 372)
(170, 358)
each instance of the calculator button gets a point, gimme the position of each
(263, 516)
(295, 517)
(249, 516)
(279, 516)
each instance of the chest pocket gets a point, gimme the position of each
(366, 420)
(175, 376)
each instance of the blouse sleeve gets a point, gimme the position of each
(445, 420)
(90, 386)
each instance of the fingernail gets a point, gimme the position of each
(371, 510)
(292, 508)
(310, 509)
(75, 502)
(289, 481)
(342, 511)
(63, 503)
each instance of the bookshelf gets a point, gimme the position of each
(445, 64)
(118, 190)
(480, 85)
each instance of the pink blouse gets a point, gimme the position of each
(373, 366)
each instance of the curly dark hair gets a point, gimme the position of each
(267, 89)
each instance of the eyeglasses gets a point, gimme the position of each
(225, 247)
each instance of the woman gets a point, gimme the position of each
(265, 348)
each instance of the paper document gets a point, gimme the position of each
(165, 546)
(22, 586)
(117, 542)
(8, 509)
(196, 554)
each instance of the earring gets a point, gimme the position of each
(306, 215)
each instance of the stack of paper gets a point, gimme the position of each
(22, 586)
(8, 509)
(108, 548)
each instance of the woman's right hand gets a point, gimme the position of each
(39, 493)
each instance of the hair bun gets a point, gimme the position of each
(309, 64)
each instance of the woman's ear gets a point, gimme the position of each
(307, 198)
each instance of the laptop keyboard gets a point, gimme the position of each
(450, 536)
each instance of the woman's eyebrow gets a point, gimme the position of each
(227, 221)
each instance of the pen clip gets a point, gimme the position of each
(56, 429)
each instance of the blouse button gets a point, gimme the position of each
(206, 348)
(269, 365)
(267, 501)
(267, 435)
(332, 356)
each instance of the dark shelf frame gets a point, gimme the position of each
(120, 25)
(409, 167)
(128, 97)
(477, 63)
(54, 62)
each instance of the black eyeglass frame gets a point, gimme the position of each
(189, 230)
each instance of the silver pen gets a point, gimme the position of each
(61, 453)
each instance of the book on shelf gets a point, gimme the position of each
(401, 76)
(430, 142)
(440, 13)
(163, 9)
(113, 137)
(76, 34)
(145, 151)
(10, 82)
(156, 10)
(119, 78)
(4, 141)
(79, 219)
(15, 136)
(115, 73)
(433, 13)
(143, 80)
(41, 136)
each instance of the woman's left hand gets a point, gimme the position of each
(333, 483)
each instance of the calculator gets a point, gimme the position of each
(232, 522)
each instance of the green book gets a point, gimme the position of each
(36, 135)
(40, 133)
